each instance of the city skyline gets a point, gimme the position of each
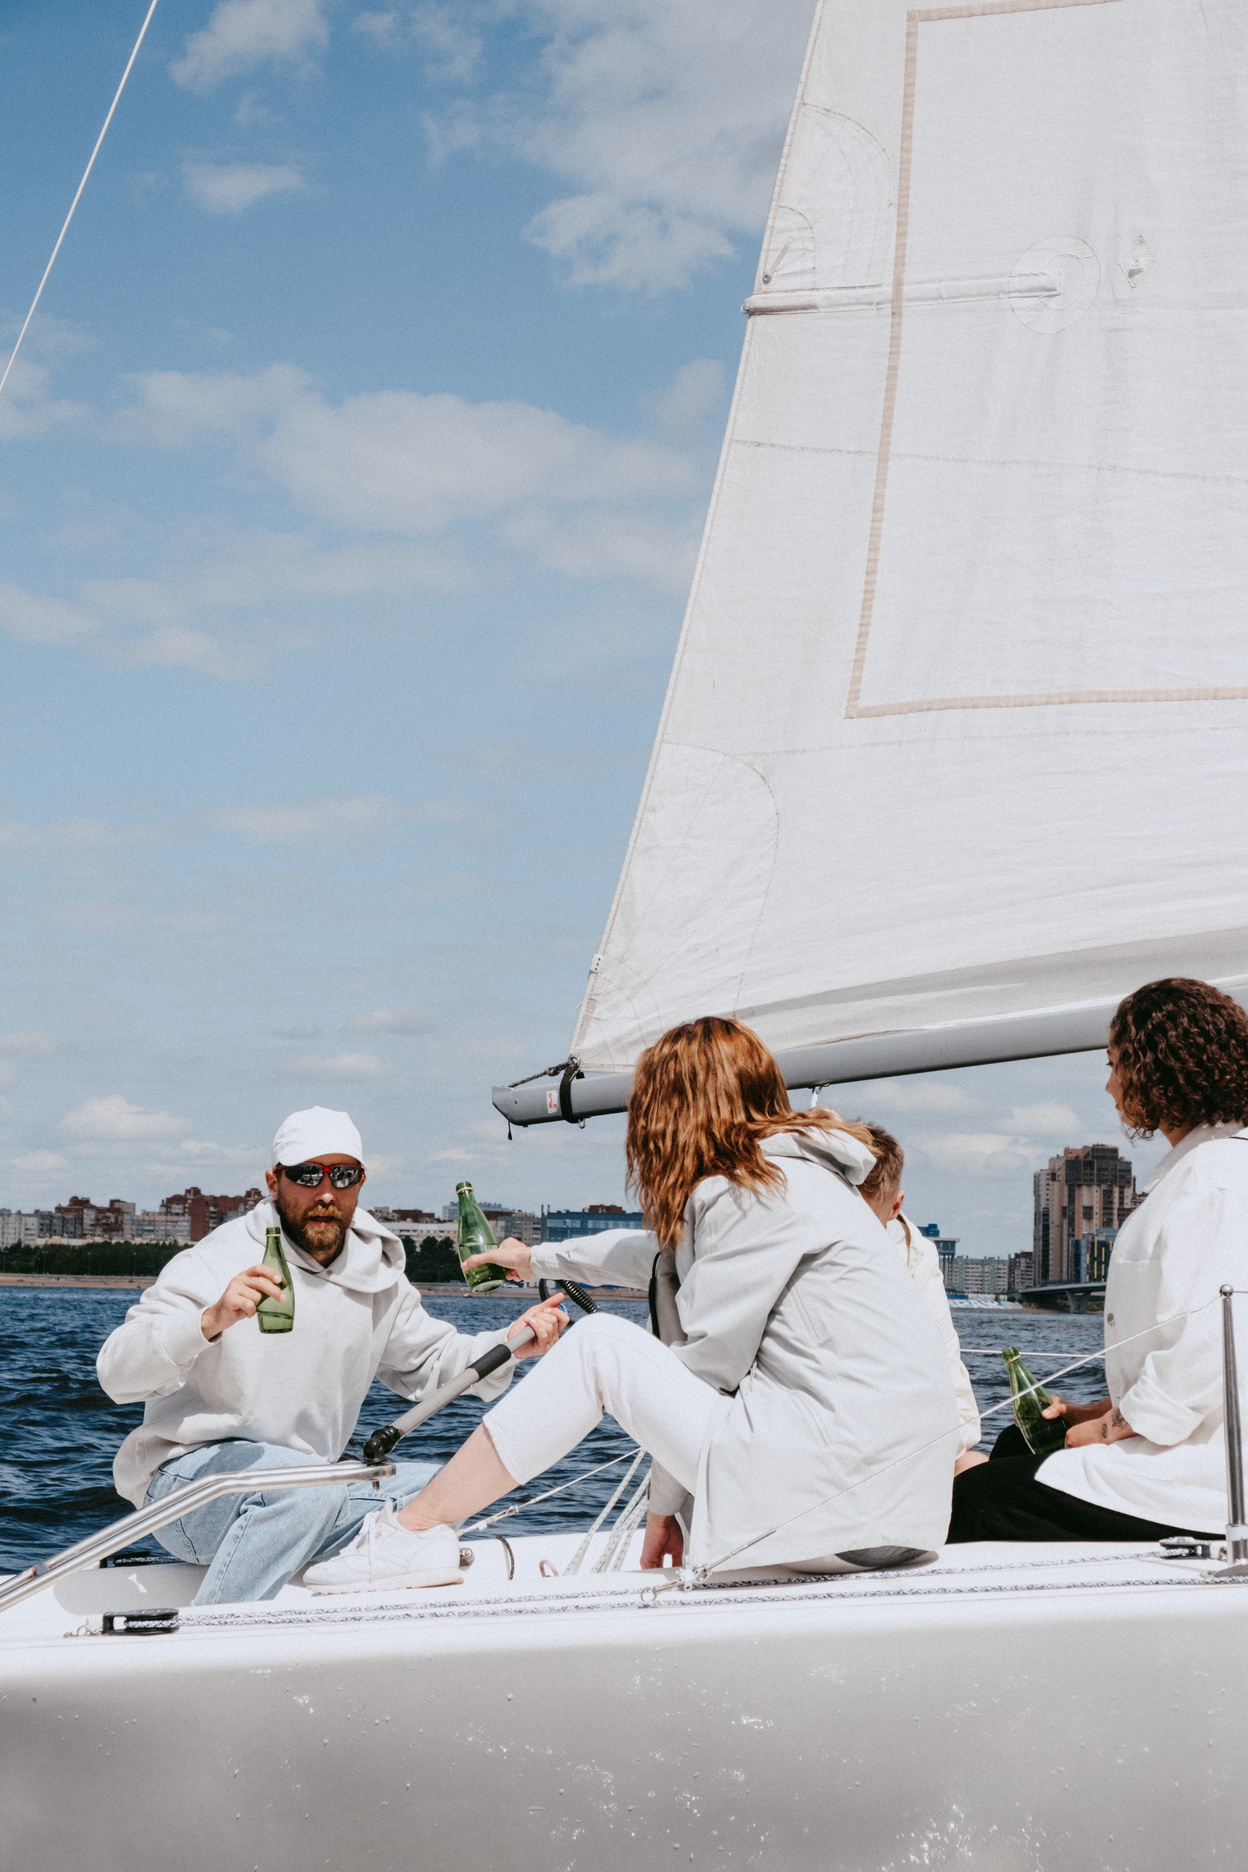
(1122, 1188)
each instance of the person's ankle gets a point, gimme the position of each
(414, 1521)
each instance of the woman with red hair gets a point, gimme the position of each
(807, 1415)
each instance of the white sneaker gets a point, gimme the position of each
(384, 1553)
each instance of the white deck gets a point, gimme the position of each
(1019, 1709)
(72, 1608)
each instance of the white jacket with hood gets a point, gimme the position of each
(356, 1320)
(922, 1263)
(836, 1427)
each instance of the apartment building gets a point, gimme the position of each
(1088, 1191)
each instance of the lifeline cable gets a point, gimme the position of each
(82, 185)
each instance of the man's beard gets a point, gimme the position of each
(315, 1233)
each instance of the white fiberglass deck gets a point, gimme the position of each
(1039, 1708)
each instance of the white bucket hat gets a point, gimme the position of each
(316, 1133)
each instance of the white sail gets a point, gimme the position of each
(957, 723)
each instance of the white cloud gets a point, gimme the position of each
(452, 47)
(339, 1066)
(242, 34)
(250, 1157)
(32, 618)
(609, 242)
(29, 1045)
(395, 461)
(196, 650)
(981, 1153)
(384, 29)
(176, 408)
(665, 117)
(26, 408)
(73, 845)
(8, 1074)
(328, 820)
(232, 188)
(690, 397)
(115, 1119)
(606, 544)
(37, 1163)
(919, 1094)
(586, 502)
(402, 1020)
(1050, 1117)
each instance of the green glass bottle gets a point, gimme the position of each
(276, 1315)
(1042, 1435)
(476, 1237)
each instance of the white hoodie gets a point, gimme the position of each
(923, 1266)
(836, 1426)
(356, 1320)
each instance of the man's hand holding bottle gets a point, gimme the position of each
(510, 1254)
(240, 1300)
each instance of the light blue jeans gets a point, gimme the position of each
(252, 1543)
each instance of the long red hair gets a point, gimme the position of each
(705, 1096)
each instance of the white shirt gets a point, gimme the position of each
(922, 1263)
(355, 1320)
(1163, 1336)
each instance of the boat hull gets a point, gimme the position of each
(1067, 1723)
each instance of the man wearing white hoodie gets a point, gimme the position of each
(220, 1395)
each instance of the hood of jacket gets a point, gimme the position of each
(372, 1257)
(831, 1150)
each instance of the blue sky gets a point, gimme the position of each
(350, 482)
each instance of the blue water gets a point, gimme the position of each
(61, 1432)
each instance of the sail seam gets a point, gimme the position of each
(1003, 461)
(854, 707)
(892, 370)
(1058, 698)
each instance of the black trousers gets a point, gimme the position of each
(1001, 1500)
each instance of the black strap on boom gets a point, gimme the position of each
(571, 1071)
(574, 1291)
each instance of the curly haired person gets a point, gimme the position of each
(1149, 1459)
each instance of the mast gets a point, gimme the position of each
(954, 747)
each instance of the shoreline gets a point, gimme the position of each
(436, 1289)
(77, 1280)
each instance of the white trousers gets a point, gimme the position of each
(604, 1363)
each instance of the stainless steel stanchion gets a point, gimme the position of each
(1236, 1531)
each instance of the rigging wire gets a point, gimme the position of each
(82, 185)
(531, 1501)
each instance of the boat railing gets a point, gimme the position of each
(158, 1514)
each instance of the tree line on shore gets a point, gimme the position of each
(433, 1259)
